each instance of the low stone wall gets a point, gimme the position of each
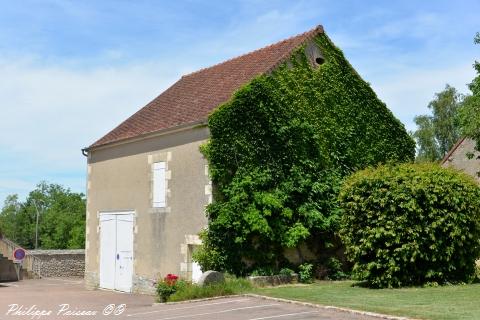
(58, 263)
(263, 281)
(7, 270)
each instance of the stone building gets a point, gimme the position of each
(148, 183)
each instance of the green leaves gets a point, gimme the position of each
(470, 110)
(61, 218)
(278, 153)
(295, 235)
(411, 224)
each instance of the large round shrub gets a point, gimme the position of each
(411, 224)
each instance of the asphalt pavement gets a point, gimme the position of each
(68, 299)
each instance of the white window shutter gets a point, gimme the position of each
(159, 185)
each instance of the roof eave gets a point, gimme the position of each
(147, 135)
(454, 148)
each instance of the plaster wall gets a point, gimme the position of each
(120, 178)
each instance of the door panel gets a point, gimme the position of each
(116, 251)
(124, 256)
(196, 272)
(107, 250)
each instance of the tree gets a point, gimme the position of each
(17, 222)
(11, 207)
(425, 136)
(437, 133)
(61, 219)
(470, 111)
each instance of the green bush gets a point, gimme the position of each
(262, 272)
(168, 286)
(335, 269)
(411, 224)
(305, 273)
(191, 291)
(286, 272)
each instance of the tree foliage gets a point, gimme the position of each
(437, 133)
(470, 111)
(278, 152)
(411, 224)
(428, 149)
(61, 218)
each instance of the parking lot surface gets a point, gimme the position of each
(67, 299)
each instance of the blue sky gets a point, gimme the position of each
(72, 70)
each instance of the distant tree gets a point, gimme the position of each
(11, 207)
(437, 133)
(425, 137)
(17, 223)
(470, 111)
(61, 218)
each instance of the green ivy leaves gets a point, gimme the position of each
(278, 153)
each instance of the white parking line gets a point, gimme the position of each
(284, 315)
(218, 312)
(190, 307)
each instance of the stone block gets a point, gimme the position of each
(211, 277)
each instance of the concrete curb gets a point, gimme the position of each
(306, 304)
(313, 305)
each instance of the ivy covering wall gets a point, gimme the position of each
(278, 152)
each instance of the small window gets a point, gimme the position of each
(159, 185)
(319, 60)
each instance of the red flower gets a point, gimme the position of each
(171, 279)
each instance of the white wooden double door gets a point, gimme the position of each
(116, 250)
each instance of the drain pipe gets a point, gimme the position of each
(85, 152)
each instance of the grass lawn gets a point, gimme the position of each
(448, 302)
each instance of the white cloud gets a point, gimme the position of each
(422, 25)
(14, 184)
(408, 93)
(50, 112)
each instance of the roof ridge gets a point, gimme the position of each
(318, 28)
(308, 35)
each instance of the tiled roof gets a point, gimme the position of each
(195, 95)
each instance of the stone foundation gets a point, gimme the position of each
(143, 285)
(92, 280)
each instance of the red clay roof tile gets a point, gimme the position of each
(195, 95)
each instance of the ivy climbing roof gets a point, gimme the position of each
(190, 100)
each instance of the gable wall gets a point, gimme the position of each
(459, 160)
(120, 178)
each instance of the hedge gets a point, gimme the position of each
(411, 224)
